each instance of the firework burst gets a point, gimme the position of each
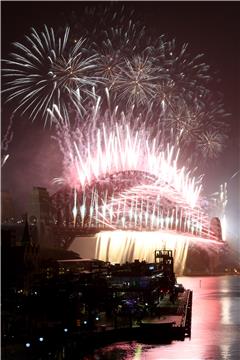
(109, 28)
(114, 50)
(118, 176)
(210, 143)
(101, 148)
(188, 75)
(156, 82)
(136, 83)
(45, 70)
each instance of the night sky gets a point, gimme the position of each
(211, 28)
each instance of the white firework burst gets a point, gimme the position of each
(47, 71)
(137, 81)
(210, 143)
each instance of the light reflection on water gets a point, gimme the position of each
(215, 326)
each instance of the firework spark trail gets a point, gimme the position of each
(4, 159)
(7, 138)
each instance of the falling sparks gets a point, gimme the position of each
(120, 246)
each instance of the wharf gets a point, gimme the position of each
(171, 321)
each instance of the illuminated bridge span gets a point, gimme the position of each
(126, 216)
(129, 200)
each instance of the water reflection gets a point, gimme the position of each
(215, 326)
(225, 310)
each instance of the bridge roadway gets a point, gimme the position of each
(65, 234)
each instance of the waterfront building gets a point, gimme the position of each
(20, 256)
(7, 207)
(39, 214)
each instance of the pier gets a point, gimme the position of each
(109, 303)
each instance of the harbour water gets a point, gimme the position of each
(215, 326)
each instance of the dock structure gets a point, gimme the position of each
(188, 315)
(147, 302)
(173, 321)
(136, 301)
(151, 309)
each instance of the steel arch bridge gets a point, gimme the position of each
(126, 200)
